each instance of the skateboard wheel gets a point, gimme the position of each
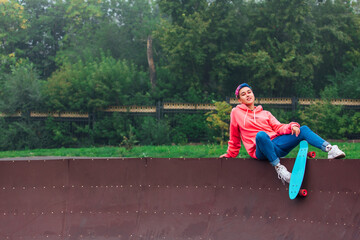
(311, 154)
(303, 192)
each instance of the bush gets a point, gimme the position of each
(95, 85)
(343, 85)
(350, 125)
(188, 127)
(110, 130)
(282, 115)
(22, 135)
(324, 118)
(153, 132)
(63, 134)
(20, 90)
(219, 120)
(129, 141)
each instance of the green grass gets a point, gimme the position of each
(352, 151)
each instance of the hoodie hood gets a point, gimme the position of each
(243, 107)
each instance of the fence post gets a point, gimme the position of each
(294, 103)
(159, 110)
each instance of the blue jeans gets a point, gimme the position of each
(280, 146)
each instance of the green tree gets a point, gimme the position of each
(177, 9)
(324, 119)
(44, 33)
(196, 40)
(131, 22)
(343, 85)
(338, 27)
(182, 45)
(83, 19)
(21, 90)
(13, 24)
(281, 51)
(94, 85)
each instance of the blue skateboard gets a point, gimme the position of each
(298, 171)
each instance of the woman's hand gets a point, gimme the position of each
(224, 156)
(295, 130)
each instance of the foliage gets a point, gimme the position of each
(131, 22)
(202, 49)
(44, 33)
(83, 19)
(22, 135)
(338, 38)
(187, 127)
(93, 85)
(110, 130)
(130, 141)
(350, 125)
(343, 85)
(331, 121)
(196, 41)
(20, 90)
(219, 121)
(153, 132)
(63, 133)
(87, 55)
(284, 116)
(13, 25)
(324, 119)
(118, 27)
(280, 55)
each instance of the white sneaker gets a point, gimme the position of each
(335, 152)
(283, 173)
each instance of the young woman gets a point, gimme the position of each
(264, 137)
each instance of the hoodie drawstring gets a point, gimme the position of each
(247, 111)
(246, 116)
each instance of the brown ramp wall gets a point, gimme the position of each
(152, 198)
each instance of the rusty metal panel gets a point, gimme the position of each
(33, 198)
(151, 198)
(104, 198)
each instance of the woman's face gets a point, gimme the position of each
(246, 96)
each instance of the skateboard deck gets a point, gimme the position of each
(298, 171)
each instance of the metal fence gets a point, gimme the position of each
(82, 125)
(162, 108)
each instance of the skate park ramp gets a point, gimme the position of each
(162, 198)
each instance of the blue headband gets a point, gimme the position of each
(240, 87)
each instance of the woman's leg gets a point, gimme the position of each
(265, 148)
(285, 143)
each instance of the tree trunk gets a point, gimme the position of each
(150, 58)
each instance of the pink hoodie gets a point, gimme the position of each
(246, 123)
